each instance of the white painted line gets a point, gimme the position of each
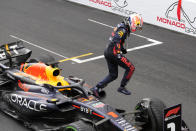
(113, 27)
(145, 46)
(75, 60)
(91, 59)
(154, 42)
(100, 23)
(38, 46)
(131, 49)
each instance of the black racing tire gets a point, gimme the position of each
(45, 58)
(79, 126)
(155, 113)
(151, 113)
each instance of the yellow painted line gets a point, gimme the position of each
(75, 57)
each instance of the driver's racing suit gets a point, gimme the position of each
(114, 57)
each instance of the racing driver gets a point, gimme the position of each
(114, 54)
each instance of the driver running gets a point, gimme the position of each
(114, 54)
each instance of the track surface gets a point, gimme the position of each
(166, 71)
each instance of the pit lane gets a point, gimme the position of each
(166, 71)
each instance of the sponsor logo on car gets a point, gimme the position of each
(127, 127)
(29, 104)
(23, 86)
(172, 118)
(172, 112)
(86, 110)
(45, 91)
(98, 105)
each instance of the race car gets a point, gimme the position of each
(33, 92)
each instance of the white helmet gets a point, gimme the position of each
(135, 22)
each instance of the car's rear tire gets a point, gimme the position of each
(78, 126)
(47, 58)
(152, 112)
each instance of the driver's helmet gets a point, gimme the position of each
(134, 21)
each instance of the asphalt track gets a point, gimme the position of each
(164, 70)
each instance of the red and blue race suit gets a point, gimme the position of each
(115, 58)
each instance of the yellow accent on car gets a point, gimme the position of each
(7, 49)
(54, 78)
(66, 89)
(53, 100)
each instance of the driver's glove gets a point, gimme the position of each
(124, 51)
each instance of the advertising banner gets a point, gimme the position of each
(120, 7)
(177, 15)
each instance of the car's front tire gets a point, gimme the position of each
(78, 126)
(151, 112)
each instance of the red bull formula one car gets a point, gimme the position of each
(33, 92)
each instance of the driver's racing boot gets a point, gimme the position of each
(124, 90)
(96, 90)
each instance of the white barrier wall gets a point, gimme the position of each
(178, 15)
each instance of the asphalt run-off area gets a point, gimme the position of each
(77, 35)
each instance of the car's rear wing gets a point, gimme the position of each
(14, 50)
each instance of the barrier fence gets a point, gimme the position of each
(177, 15)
